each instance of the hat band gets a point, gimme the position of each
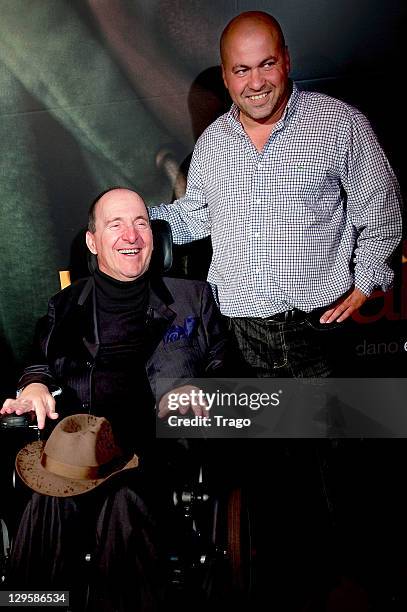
(77, 472)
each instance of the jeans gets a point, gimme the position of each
(298, 347)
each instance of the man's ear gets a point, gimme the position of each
(223, 76)
(90, 242)
(287, 59)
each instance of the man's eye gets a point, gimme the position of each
(115, 226)
(240, 72)
(268, 65)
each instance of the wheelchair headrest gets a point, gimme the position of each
(162, 255)
(161, 260)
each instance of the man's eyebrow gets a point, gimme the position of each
(143, 217)
(113, 219)
(271, 58)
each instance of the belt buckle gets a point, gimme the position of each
(294, 314)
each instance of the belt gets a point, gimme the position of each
(294, 314)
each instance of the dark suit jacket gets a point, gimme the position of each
(186, 339)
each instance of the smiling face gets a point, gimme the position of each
(255, 67)
(122, 240)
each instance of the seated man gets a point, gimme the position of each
(103, 346)
(109, 338)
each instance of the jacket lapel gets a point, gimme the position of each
(76, 324)
(87, 302)
(159, 314)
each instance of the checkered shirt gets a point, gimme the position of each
(299, 223)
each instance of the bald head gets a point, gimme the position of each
(247, 23)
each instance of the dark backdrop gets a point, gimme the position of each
(101, 92)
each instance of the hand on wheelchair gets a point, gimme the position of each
(33, 398)
(182, 400)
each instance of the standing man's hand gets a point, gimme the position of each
(34, 397)
(344, 307)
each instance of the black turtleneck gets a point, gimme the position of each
(121, 390)
(121, 308)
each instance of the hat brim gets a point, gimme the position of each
(37, 478)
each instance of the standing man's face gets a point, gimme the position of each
(255, 71)
(123, 240)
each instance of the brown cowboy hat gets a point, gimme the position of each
(79, 455)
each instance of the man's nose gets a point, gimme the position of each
(256, 79)
(131, 234)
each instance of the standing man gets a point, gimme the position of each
(300, 202)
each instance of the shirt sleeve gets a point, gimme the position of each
(374, 207)
(188, 216)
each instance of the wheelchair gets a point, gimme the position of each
(209, 561)
(213, 560)
(15, 432)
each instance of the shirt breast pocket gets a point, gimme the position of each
(305, 192)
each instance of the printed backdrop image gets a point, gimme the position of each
(102, 93)
(96, 93)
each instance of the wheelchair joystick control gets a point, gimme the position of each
(18, 421)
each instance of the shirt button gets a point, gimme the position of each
(257, 270)
(257, 235)
(258, 201)
(260, 165)
(88, 364)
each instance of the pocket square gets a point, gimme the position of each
(176, 332)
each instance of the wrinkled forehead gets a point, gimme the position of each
(120, 204)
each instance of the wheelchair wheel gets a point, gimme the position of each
(4, 550)
(239, 542)
(15, 432)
